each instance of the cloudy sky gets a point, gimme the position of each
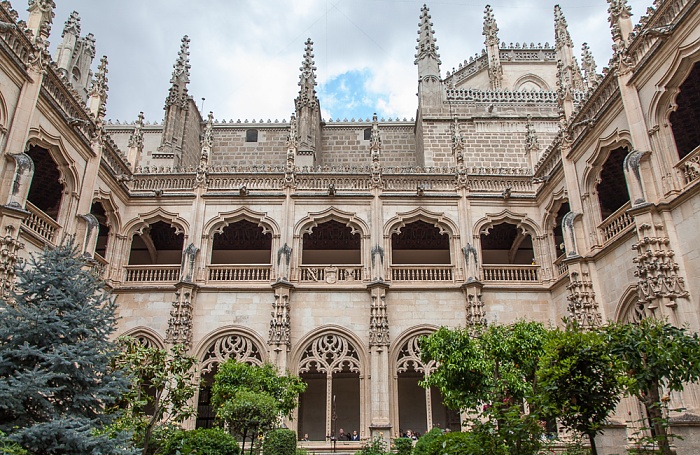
(245, 54)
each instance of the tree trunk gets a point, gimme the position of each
(245, 433)
(652, 404)
(594, 449)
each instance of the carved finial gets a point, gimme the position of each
(208, 138)
(181, 68)
(136, 138)
(490, 28)
(457, 138)
(308, 70)
(589, 67)
(72, 25)
(293, 136)
(532, 143)
(618, 11)
(427, 44)
(40, 18)
(98, 91)
(561, 30)
(375, 141)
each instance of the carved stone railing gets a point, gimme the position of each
(502, 96)
(689, 167)
(141, 182)
(330, 273)
(422, 273)
(521, 273)
(528, 54)
(560, 267)
(238, 273)
(17, 42)
(151, 273)
(499, 183)
(322, 182)
(251, 182)
(666, 14)
(64, 98)
(620, 221)
(593, 104)
(549, 159)
(115, 159)
(467, 69)
(41, 224)
(411, 182)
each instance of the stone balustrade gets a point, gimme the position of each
(620, 221)
(151, 273)
(41, 224)
(561, 268)
(422, 273)
(689, 167)
(511, 272)
(219, 273)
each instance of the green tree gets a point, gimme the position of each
(579, 380)
(203, 441)
(55, 353)
(656, 356)
(250, 398)
(490, 375)
(162, 386)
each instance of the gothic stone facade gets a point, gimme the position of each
(529, 186)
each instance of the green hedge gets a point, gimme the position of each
(403, 446)
(280, 442)
(423, 443)
(203, 441)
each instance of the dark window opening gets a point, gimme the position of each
(242, 242)
(558, 231)
(159, 244)
(331, 242)
(367, 134)
(612, 189)
(685, 121)
(46, 189)
(98, 211)
(506, 244)
(251, 135)
(420, 243)
(206, 414)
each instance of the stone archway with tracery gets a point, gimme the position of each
(228, 346)
(410, 413)
(331, 367)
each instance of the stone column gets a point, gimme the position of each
(10, 221)
(379, 361)
(180, 323)
(280, 325)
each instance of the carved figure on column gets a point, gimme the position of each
(633, 176)
(659, 277)
(21, 180)
(458, 151)
(207, 144)
(189, 255)
(180, 323)
(280, 322)
(292, 150)
(379, 321)
(582, 303)
(284, 255)
(375, 148)
(9, 259)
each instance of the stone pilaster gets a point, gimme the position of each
(10, 244)
(475, 313)
(180, 323)
(583, 307)
(379, 360)
(279, 339)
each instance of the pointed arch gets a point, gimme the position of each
(142, 220)
(223, 219)
(106, 198)
(231, 341)
(146, 336)
(335, 330)
(594, 165)
(66, 165)
(522, 222)
(405, 337)
(437, 219)
(628, 308)
(350, 219)
(527, 81)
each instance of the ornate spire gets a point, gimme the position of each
(618, 11)
(72, 25)
(40, 19)
(490, 28)
(307, 78)
(181, 68)
(427, 44)
(98, 90)
(561, 30)
(589, 67)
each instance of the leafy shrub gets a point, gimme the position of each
(377, 446)
(480, 443)
(423, 443)
(203, 441)
(8, 447)
(280, 442)
(403, 446)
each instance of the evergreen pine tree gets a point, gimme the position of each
(55, 351)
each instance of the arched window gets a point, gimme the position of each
(420, 242)
(558, 232)
(508, 254)
(46, 190)
(251, 135)
(331, 252)
(685, 121)
(159, 243)
(612, 189)
(241, 251)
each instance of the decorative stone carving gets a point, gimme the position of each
(136, 137)
(472, 261)
(633, 176)
(330, 354)
(98, 91)
(375, 147)
(475, 312)
(91, 232)
(409, 358)
(284, 254)
(378, 320)
(292, 149)
(238, 347)
(582, 303)
(179, 329)
(21, 180)
(181, 77)
(207, 144)
(377, 253)
(9, 259)
(569, 233)
(490, 33)
(280, 322)
(657, 271)
(589, 68)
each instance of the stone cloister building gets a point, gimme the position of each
(529, 186)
